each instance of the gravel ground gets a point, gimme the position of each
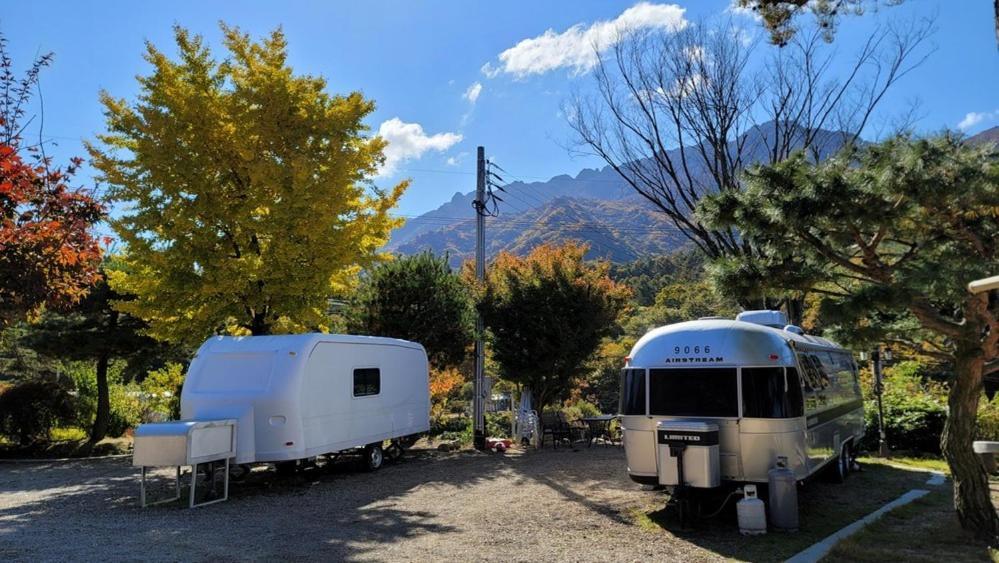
(536, 506)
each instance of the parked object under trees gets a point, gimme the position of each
(890, 235)
(247, 188)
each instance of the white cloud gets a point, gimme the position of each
(974, 118)
(456, 159)
(577, 47)
(408, 141)
(472, 93)
(489, 70)
(735, 9)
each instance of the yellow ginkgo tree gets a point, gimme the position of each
(245, 191)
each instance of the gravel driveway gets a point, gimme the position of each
(547, 505)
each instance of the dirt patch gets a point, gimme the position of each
(545, 505)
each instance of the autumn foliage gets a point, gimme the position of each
(48, 253)
(248, 190)
(547, 313)
(443, 382)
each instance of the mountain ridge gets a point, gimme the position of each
(596, 206)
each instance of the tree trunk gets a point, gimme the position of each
(258, 325)
(972, 498)
(103, 416)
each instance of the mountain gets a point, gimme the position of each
(602, 184)
(618, 230)
(987, 136)
(596, 206)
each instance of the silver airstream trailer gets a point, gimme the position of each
(736, 396)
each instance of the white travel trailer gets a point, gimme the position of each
(747, 392)
(299, 396)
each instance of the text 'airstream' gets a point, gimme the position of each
(728, 398)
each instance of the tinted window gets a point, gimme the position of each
(771, 393)
(633, 391)
(693, 392)
(367, 381)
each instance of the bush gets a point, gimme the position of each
(85, 386)
(126, 409)
(580, 409)
(498, 424)
(29, 410)
(449, 424)
(161, 391)
(988, 419)
(915, 410)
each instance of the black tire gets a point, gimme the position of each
(840, 468)
(374, 457)
(850, 458)
(286, 468)
(394, 451)
(239, 472)
(407, 442)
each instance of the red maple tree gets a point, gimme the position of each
(49, 255)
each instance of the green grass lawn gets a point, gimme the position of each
(925, 530)
(824, 508)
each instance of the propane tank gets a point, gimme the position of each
(783, 497)
(751, 512)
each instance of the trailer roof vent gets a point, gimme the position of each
(794, 329)
(775, 319)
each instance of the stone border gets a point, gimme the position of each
(822, 548)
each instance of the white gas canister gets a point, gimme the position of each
(751, 512)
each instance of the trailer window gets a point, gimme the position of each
(771, 393)
(633, 391)
(367, 381)
(694, 392)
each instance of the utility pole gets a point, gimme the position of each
(478, 403)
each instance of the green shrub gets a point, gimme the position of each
(580, 409)
(449, 424)
(457, 406)
(988, 419)
(459, 428)
(126, 409)
(915, 410)
(85, 386)
(161, 392)
(498, 424)
(29, 410)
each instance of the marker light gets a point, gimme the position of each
(774, 357)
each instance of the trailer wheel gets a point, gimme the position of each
(841, 467)
(407, 442)
(286, 468)
(239, 472)
(393, 451)
(373, 457)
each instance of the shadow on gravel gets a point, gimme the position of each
(89, 510)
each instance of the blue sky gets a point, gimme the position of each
(421, 62)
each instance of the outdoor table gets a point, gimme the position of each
(599, 426)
